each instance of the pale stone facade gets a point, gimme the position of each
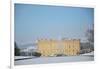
(54, 47)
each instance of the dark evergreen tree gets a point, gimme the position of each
(17, 50)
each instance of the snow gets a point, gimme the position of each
(91, 53)
(43, 60)
(22, 57)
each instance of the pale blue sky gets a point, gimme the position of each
(43, 21)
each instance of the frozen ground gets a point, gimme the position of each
(43, 60)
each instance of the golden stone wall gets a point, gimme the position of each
(54, 47)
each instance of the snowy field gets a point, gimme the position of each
(43, 60)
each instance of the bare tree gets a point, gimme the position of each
(90, 37)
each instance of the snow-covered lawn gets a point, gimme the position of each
(42, 60)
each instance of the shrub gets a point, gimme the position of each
(60, 55)
(37, 54)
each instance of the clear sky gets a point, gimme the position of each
(42, 21)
